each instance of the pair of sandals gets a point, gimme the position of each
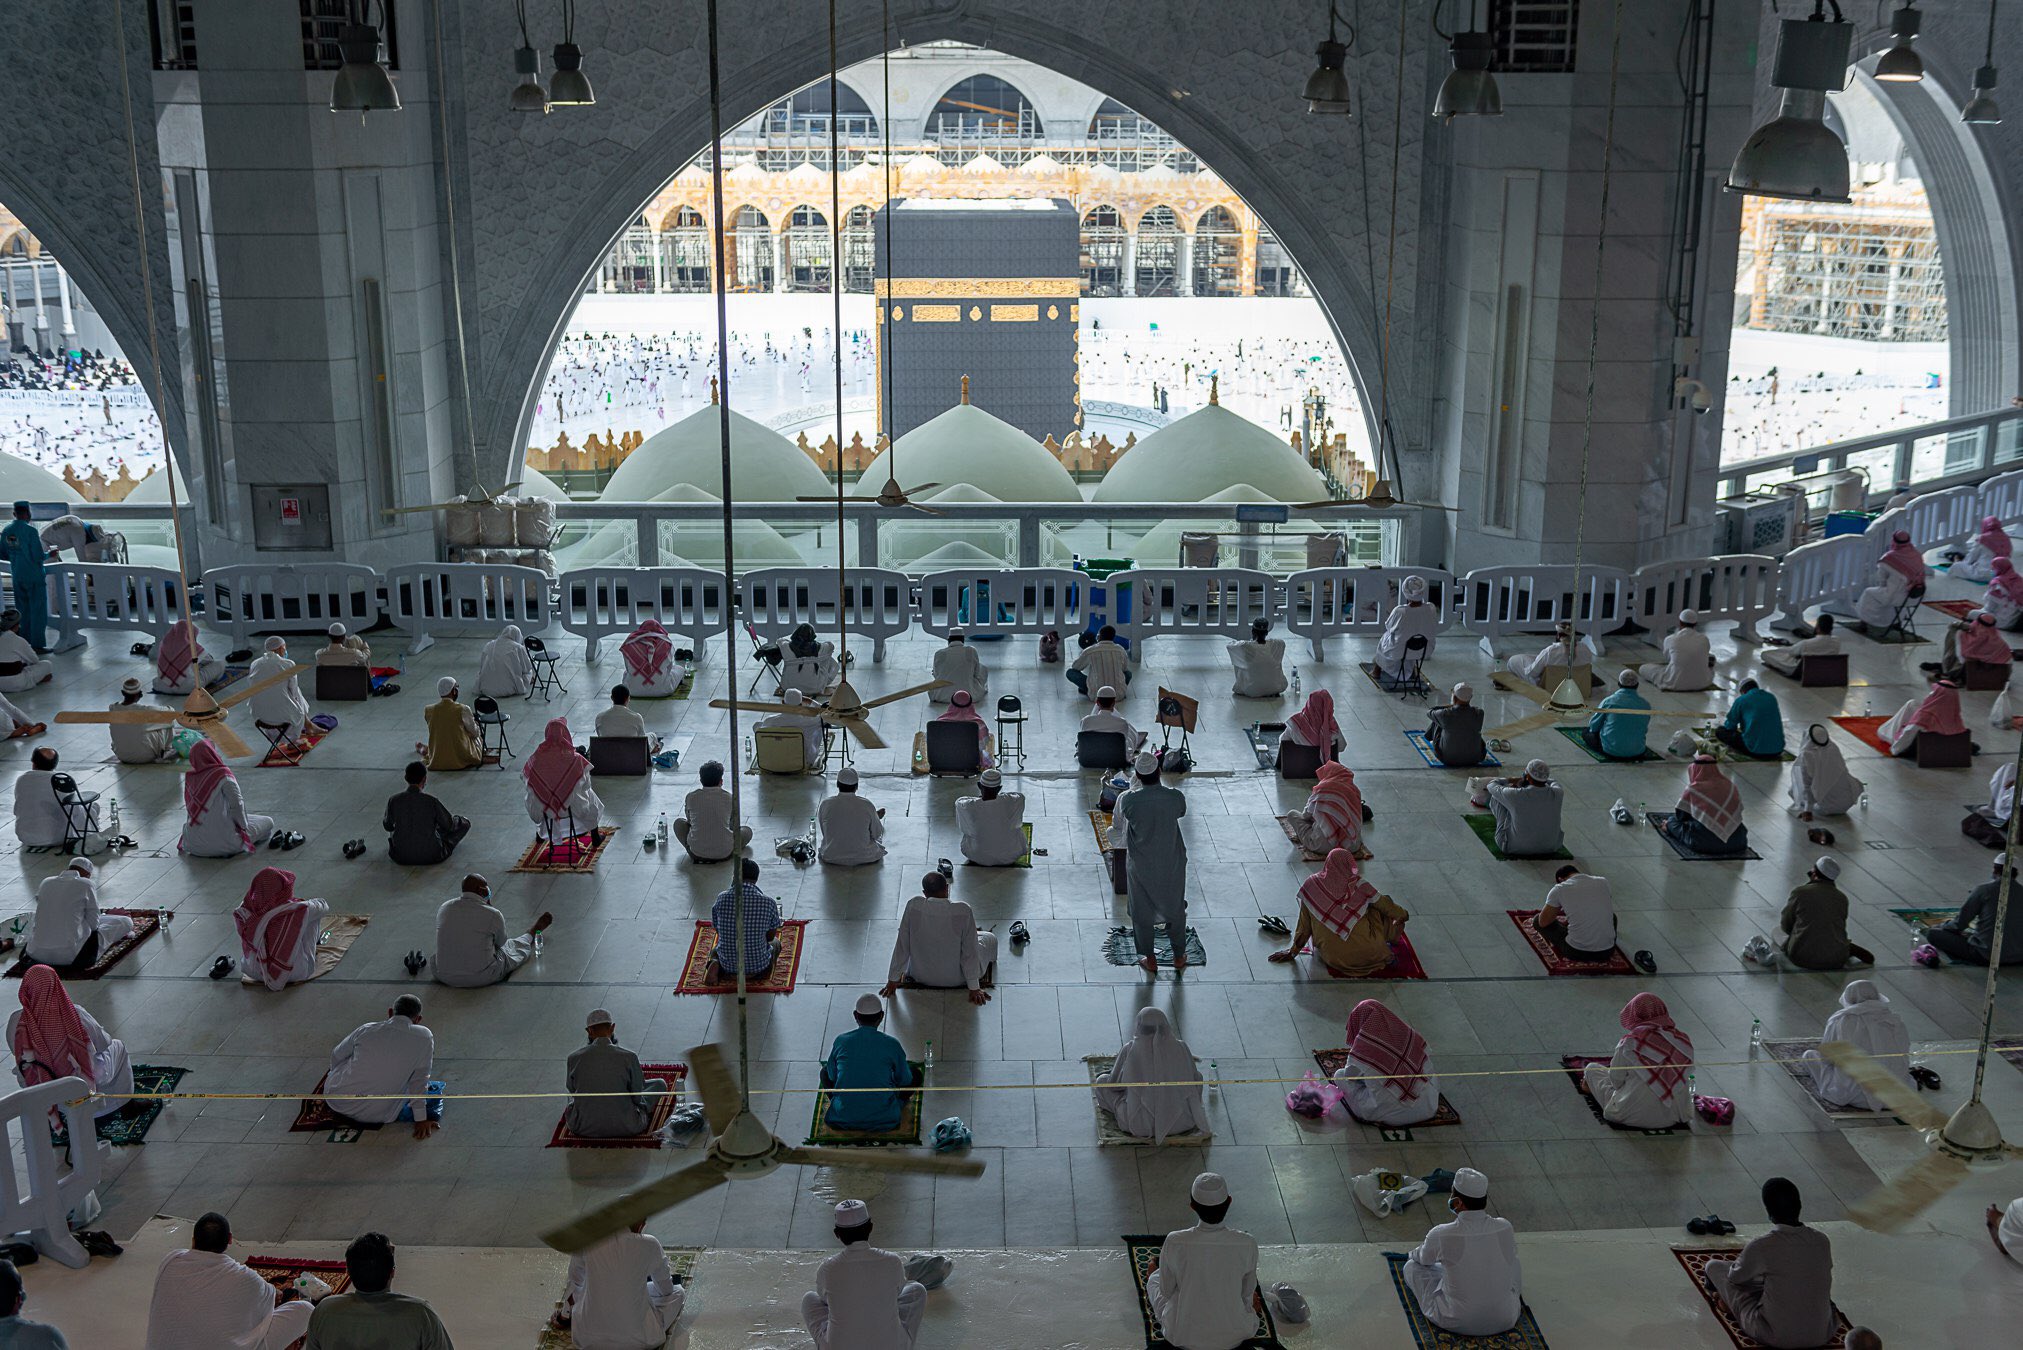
(415, 962)
(1711, 1226)
(387, 690)
(1020, 935)
(221, 967)
(1925, 1078)
(354, 848)
(98, 1242)
(287, 840)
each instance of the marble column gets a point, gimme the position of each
(1128, 283)
(63, 297)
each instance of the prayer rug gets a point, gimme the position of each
(131, 1123)
(307, 741)
(906, 1134)
(1484, 825)
(1332, 1062)
(1024, 861)
(316, 1114)
(1921, 919)
(1728, 754)
(1111, 1134)
(1575, 1065)
(1554, 963)
(1695, 1260)
(1308, 855)
(379, 675)
(1099, 821)
(144, 925)
(1863, 729)
(2009, 1048)
(1573, 734)
(778, 980)
(571, 855)
(680, 1260)
(331, 944)
(1418, 740)
(919, 760)
(232, 675)
(1958, 609)
(282, 1272)
(1404, 964)
(1661, 822)
(1789, 1055)
(1263, 738)
(681, 691)
(1524, 1336)
(1143, 1248)
(1120, 947)
(663, 1107)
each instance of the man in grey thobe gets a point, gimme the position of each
(1147, 824)
(1527, 813)
(1781, 1289)
(605, 1066)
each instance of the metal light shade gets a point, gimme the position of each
(569, 86)
(528, 96)
(362, 84)
(1981, 110)
(1327, 89)
(1901, 63)
(1469, 89)
(1793, 155)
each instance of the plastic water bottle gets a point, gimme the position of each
(1214, 1078)
(162, 917)
(112, 813)
(1864, 798)
(1295, 684)
(661, 833)
(1755, 1031)
(927, 1058)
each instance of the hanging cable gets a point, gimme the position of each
(836, 343)
(1391, 268)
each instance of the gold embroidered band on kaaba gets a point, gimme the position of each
(977, 288)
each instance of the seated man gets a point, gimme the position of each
(1350, 924)
(216, 823)
(278, 705)
(961, 666)
(69, 928)
(1784, 660)
(1938, 712)
(181, 663)
(862, 1297)
(2004, 596)
(704, 828)
(472, 949)
(1387, 1079)
(1780, 1291)
(939, 945)
(52, 1038)
(867, 1058)
(1755, 724)
(1563, 651)
(1975, 638)
(851, 826)
(1990, 542)
(1579, 918)
(1203, 1284)
(1820, 783)
(1413, 618)
(1102, 664)
(344, 649)
(278, 930)
(621, 721)
(1107, 718)
(1334, 814)
(1643, 1086)
(1259, 663)
(370, 1313)
(1454, 731)
(810, 665)
(204, 1298)
(600, 1068)
(1314, 725)
(1157, 1089)
(504, 668)
(1969, 936)
(385, 1067)
(38, 821)
(420, 831)
(747, 923)
(650, 668)
(961, 709)
(559, 795)
(21, 667)
(1865, 1021)
(1465, 1274)
(137, 742)
(811, 729)
(1689, 659)
(1527, 811)
(622, 1294)
(453, 740)
(1614, 733)
(992, 823)
(1812, 930)
(1708, 817)
(1901, 567)
(2005, 1226)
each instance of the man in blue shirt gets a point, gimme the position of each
(1755, 724)
(749, 942)
(15, 1330)
(1618, 737)
(21, 544)
(867, 1058)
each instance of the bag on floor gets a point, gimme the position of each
(1385, 1193)
(1981, 830)
(1683, 744)
(1620, 813)
(1314, 1097)
(1050, 647)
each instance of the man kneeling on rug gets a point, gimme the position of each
(598, 1072)
(1203, 1284)
(1780, 1291)
(1465, 1274)
(867, 1058)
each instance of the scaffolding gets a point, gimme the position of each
(1868, 270)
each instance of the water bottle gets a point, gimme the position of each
(1295, 684)
(162, 917)
(112, 813)
(1214, 1078)
(1864, 799)
(1692, 1089)
(927, 1059)
(1755, 1031)
(661, 833)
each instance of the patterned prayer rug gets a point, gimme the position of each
(281, 1272)
(1524, 1336)
(1484, 825)
(1574, 737)
(1789, 1055)
(663, 1107)
(1920, 919)
(778, 980)
(1142, 1248)
(1418, 742)
(1661, 821)
(1332, 1062)
(1863, 729)
(1308, 855)
(1728, 754)
(680, 1260)
(1120, 948)
(275, 758)
(906, 1134)
(1957, 609)
(1575, 1065)
(1404, 964)
(144, 925)
(1555, 964)
(316, 1114)
(339, 932)
(1109, 1133)
(1099, 821)
(1695, 1260)
(131, 1123)
(571, 855)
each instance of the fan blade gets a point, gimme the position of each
(1909, 1193)
(884, 699)
(924, 487)
(1429, 506)
(1893, 1092)
(1315, 506)
(923, 510)
(241, 695)
(1510, 684)
(1703, 715)
(883, 1160)
(1543, 718)
(630, 1208)
(721, 1099)
(505, 488)
(123, 716)
(861, 729)
(226, 739)
(416, 510)
(742, 706)
(827, 501)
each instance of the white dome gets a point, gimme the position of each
(23, 481)
(1205, 452)
(534, 483)
(1160, 545)
(921, 543)
(966, 445)
(765, 466)
(953, 555)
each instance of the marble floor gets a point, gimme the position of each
(1012, 1070)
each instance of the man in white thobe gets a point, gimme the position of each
(962, 666)
(1562, 651)
(851, 827)
(388, 1063)
(939, 946)
(992, 823)
(1259, 663)
(1689, 659)
(1203, 1284)
(68, 920)
(1107, 718)
(622, 1294)
(705, 825)
(472, 949)
(1102, 663)
(1784, 660)
(862, 1299)
(1465, 1274)
(280, 705)
(1414, 618)
(809, 727)
(204, 1300)
(621, 721)
(343, 649)
(137, 742)
(38, 821)
(21, 667)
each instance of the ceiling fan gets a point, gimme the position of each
(201, 713)
(1566, 701)
(892, 496)
(483, 496)
(1380, 497)
(842, 709)
(740, 1149)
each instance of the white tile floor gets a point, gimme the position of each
(486, 1181)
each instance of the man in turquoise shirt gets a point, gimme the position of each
(21, 544)
(1755, 724)
(867, 1058)
(1618, 737)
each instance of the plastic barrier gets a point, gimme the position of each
(36, 1197)
(427, 600)
(601, 602)
(879, 604)
(1828, 573)
(1323, 602)
(2001, 497)
(1191, 602)
(120, 596)
(1741, 587)
(1498, 601)
(983, 602)
(1945, 519)
(250, 596)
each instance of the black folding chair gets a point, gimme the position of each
(1011, 729)
(76, 807)
(547, 682)
(1409, 682)
(1905, 623)
(490, 717)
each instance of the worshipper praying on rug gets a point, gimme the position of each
(622, 721)
(939, 945)
(21, 667)
(960, 667)
(1643, 1086)
(1107, 718)
(1174, 1103)
(559, 795)
(747, 923)
(1755, 723)
(216, 823)
(1708, 818)
(344, 649)
(1465, 1274)
(453, 739)
(385, 1066)
(1454, 730)
(505, 670)
(1900, 569)
(1259, 662)
(205, 1300)
(1975, 638)
(1579, 918)
(472, 949)
(1334, 814)
(810, 665)
(277, 930)
(1689, 659)
(862, 1299)
(852, 829)
(962, 709)
(1991, 543)
(1562, 653)
(610, 1096)
(1969, 936)
(1820, 783)
(420, 831)
(866, 1057)
(1812, 930)
(1314, 725)
(1387, 1079)
(1784, 660)
(1145, 823)
(704, 828)
(38, 821)
(1103, 664)
(280, 707)
(622, 1294)
(137, 742)
(370, 1315)
(1412, 619)
(1937, 712)
(811, 729)
(2004, 596)
(54, 1038)
(1780, 1290)
(650, 668)
(1526, 809)
(1202, 1286)
(1614, 731)
(992, 823)
(1865, 1021)
(1350, 924)
(68, 928)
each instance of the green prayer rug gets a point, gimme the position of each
(1573, 734)
(1920, 919)
(1120, 948)
(906, 1134)
(131, 1123)
(1484, 826)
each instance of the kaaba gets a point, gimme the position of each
(987, 289)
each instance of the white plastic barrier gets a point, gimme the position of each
(602, 602)
(1829, 573)
(37, 1193)
(119, 596)
(1945, 519)
(1498, 601)
(879, 604)
(1188, 602)
(1741, 587)
(428, 600)
(1323, 602)
(2002, 497)
(250, 596)
(984, 601)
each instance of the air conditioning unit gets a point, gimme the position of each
(1771, 523)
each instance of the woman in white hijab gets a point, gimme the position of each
(504, 669)
(1865, 1021)
(1820, 782)
(1154, 1055)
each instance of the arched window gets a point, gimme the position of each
(984, 110)
(752, 260)
(1102, 251)
(809, 250)
(1126, 141)
(805, 116)
(1275, 273)
(685, 252)
(858, 262)
(1158, 270)
(628, 268)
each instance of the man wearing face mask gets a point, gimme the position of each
(472, 949)
(1465, 1273)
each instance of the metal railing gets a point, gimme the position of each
(1928, 456)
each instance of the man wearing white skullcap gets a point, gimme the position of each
(343, 649)
(280, 704)
(1107, 718)
(1259, 662)
(1146, 825)
(862, 1298)
(132, 742)
(1969, 936)
(1812, 931)
(622, 1294)
(992, 823)
(69, 927)
(1465, 1274)
(795, 720)
(1563, 653)
(1689, 659)
(1614, 732)
(1454, 731)
(961, 667)
(453, 741)
(1412, 619)
(852, 828)
(1527, 813)
(21, 666)
(872, 1067)
(939, 947)
(1102, 662)
(1204, 1281)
